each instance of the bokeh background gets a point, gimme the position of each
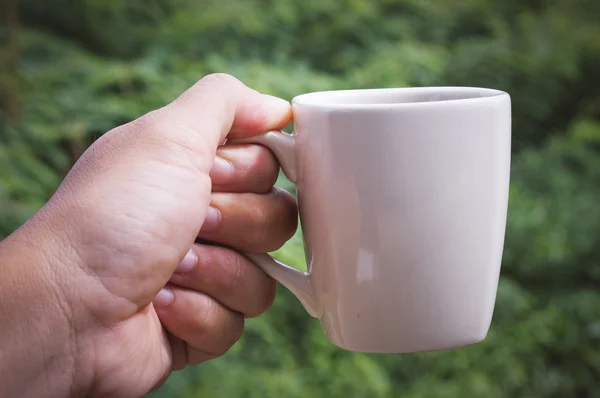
(72, 69)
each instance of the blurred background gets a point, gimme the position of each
(72, 69)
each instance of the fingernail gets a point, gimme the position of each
(222, 169)
(188, 263)
(163, 298)
(212, 220)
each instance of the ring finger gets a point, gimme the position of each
(228, 277)
(201, 321)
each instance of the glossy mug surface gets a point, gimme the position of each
(403, 199)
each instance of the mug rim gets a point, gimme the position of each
(329, 99)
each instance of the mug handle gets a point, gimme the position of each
(283, 146)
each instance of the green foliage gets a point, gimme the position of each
(73, 69)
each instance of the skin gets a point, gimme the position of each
(103, 292)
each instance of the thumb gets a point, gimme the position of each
(241, 111)
(216, 107)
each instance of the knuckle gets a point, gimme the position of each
(151, 123)
(170, 141)
(219, 330)
(261, 222)
(275, 222)
(236, 329)
(268, 168)
(220, 79)
(271, 294)
(196, 356)
(209, 318)
(232, 272)
(267, 297)
(255, 166)
(227, 335)
(287, 213)
(154, 128)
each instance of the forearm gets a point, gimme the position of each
(37, 352)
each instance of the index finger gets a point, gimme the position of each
(216, 107)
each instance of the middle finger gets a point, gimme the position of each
(251, 222)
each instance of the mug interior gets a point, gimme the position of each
(394, 96)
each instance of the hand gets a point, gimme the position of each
(104, 291)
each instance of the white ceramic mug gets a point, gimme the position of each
(403, 199)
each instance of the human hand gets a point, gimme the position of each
(105, 297)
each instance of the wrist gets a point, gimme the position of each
(39, 351)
